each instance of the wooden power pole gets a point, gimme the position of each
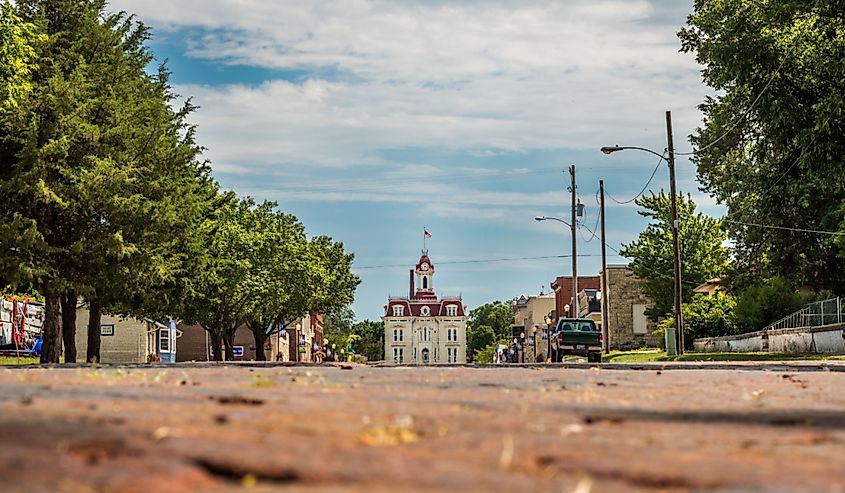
(605, 309)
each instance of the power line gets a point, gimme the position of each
(653, 173)
(784, 228)
(479, 261)
(782, 175)
(751, 107)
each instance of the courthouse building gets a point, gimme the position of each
(423, 329)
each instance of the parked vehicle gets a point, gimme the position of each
(581, 337)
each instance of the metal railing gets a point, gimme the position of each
(826, 312)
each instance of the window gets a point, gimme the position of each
(164, 340)
(425, 311)
(425, 282)
(451, 311)
(398, 355)
(398, 310)
(452, 354)
(452, 335)
(398, 335)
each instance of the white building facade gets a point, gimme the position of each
(422, 329)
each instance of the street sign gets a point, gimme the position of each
(238, 351)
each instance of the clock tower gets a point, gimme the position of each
(425, 272)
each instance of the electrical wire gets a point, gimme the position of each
(653, 173)
(782, 176)
(785, 228)
(479, 261)
(592, 231)
(751, 107)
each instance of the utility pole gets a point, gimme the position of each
(676, 246)
(577, 311)
(605, 318)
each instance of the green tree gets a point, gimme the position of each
(371, 342)
(706, 316)
(497, 315)
(479, 338)
(765, 302)
(18, 56)
(703, 254)
(291, 277)
(772, 142)
(99, 172)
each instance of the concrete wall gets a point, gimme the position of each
(744, 343)
(623, 292)
(829, 339)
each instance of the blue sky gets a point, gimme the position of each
(372, 119)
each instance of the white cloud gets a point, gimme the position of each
(474, 76)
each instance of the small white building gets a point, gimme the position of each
(422, 328)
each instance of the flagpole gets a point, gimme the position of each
(424, 244)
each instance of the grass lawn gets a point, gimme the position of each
(652, 355)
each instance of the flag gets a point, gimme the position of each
(427, 234)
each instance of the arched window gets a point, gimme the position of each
(425, 282)
(424, 311)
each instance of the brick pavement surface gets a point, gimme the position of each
(576, 429)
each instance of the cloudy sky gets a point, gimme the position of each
(372, 119)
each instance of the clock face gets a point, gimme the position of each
(424, 266)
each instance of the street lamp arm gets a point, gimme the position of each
(547, 218)
(612, 149)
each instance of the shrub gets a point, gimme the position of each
(764, 303)
(704, 316)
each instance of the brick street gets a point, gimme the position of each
(356, 428)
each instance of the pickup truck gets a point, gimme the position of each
(577, 336)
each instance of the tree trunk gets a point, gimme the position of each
(51, 349)
(216, 344)
(260, 336)
(228, 345)
(69, 325)
(94, 318)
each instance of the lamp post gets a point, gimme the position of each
(548, 321)
(675, 240)
(534, 334)
(574, 259)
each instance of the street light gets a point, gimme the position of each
(574, 258)
(548, 321)
(676, 246)
(534, 334)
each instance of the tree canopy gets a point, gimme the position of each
(703, 254)
(18, 56)
(104, 194)
(773, 137)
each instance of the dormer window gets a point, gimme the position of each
(425, 311)
(398, 310)
(451, 311)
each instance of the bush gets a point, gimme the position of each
(764, 303)
(704, 316)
